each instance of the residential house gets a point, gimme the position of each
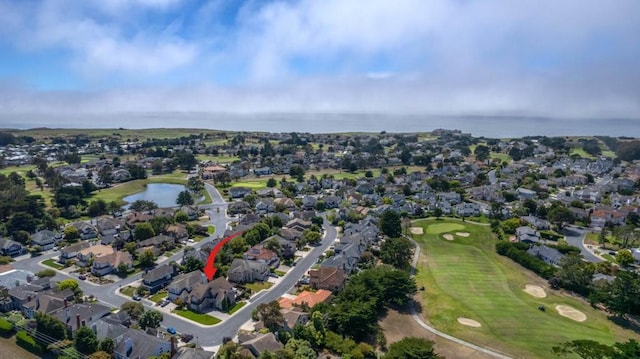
(524, 193)
(162, 242)
(244, 271)
(134, 344)
(329, 278)
(108, 226)
(11, 248)
(527, 234)
(262, 255)
(193, 353)
(111, 262)
(239, 192)
(183, 284)
(265, 205)
(46, 239)
(262, 343)
(178, 232)
(547, 254)
(192, 212)
(292, 317)
(218, 294)
(537, 223)
(85, 230)
(79, 315)
(71, 251)
(158, 278)
(298, 224)
(310, 299)
(87, 255)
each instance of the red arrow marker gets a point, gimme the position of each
(209, 270)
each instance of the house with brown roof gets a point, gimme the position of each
(110, 262)
(292, 317)
(329, 278)
(307, 298)
(183, 284)
(262, 255)
(262, 343)
(92, 253)
(217, 294)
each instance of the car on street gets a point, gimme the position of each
(170, 330)
(136, 297)
(164, 302)
(82, 277)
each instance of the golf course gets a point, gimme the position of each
(475, 294)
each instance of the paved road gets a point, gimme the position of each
(435, 331)
(575, 236)
(207, 336)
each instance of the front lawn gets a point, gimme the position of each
(156, 298)
(204, 319)
(211, 229)
(51, 263)
(128, 291)
(236, 307)
(258, 286)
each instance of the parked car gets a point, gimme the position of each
(164, 302)
(170, 330)
(137, 297)
(82, 277)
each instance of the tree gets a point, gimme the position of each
(624, 293)
(99, 355)
(585, 348)
(104, 175)
(97, 208)
(271, 182)
(143, 205)
(437, 212)
(85, 340)
(560, 216)
(390, 224)
(150, 319)
(312, 237)
(130, 247)
(301, 349)
(195, 184)
(576, 274)
(107, 345)
(68, 283)
(396, 252)
(184, 198)
(481, 152)
(134, 309)
(181, 217)
(270, 315)
(50, 326)
(624, 257)
(191, 264)
(143, 230)
(412, 348)
(147, 258)
(71, 234)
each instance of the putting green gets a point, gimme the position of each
(466, 278)
(444, 227)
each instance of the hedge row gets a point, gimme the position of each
(5, 327)
(518, 253)
(27, 342)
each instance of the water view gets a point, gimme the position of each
(164, 194)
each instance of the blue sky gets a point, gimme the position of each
(570, 58)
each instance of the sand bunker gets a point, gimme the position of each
(469, 322)
(417, 230)
(462, 234)
(448, 236)
(535, 290)
(571, 313)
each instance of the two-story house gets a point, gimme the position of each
(11, 248)
(111, 262)
(183, 284)
(46, 239)
(246, 271)
(70, 252)
(217, 294)
(158, 278)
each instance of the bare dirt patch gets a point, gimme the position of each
(535, 290)
(397, 326)
(462, 234)
(571, 313)
(448, 236)
(417, 230)
(469, 322)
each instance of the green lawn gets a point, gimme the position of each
(236, 307)
(257, 183)
(217, 159)
(211, 229)
(53, 264)
(466, 278)
(128, 291)
(258, 286)
(204, 319)
(579, 151)
(156, 298)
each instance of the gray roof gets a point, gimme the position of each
(142, 345)
(15, 277)
(159, 272)
(193, 353)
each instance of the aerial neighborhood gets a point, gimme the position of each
(212, 244)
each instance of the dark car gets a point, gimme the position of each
(136, 297)
(164, 302)
(82, 277)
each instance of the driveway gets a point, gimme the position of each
(575, 236)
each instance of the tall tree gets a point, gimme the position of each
(412, 348)
(390, 224)
(134, 309)
(50, 326)
(270, 315)
(85, 340)
(396, 252)
(150, 319)
(184, 198)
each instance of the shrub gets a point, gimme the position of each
(24, 340)
(5, 327)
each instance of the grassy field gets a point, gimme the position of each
(124, 134)
(217, 159)
(204, 319)
(466, 278)
(156, 298)
(53, 264)
(128, 291)
(236, 307)
(579, 151)
(258, 286)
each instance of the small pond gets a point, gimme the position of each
(164, 194)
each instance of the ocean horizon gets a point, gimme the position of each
(479, 126)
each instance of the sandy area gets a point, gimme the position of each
(469, 322)
(417, 230)
(462, 234)
(535, 290)
(571, 313)
(448, 236)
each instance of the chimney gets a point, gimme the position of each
(173, 346)
(77, 321)
(66, 303)
(66, 312)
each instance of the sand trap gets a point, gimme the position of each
(417, 230)
(535, 290)
(462, 234)
(571, 313)
(448, 236)
(469, 322)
